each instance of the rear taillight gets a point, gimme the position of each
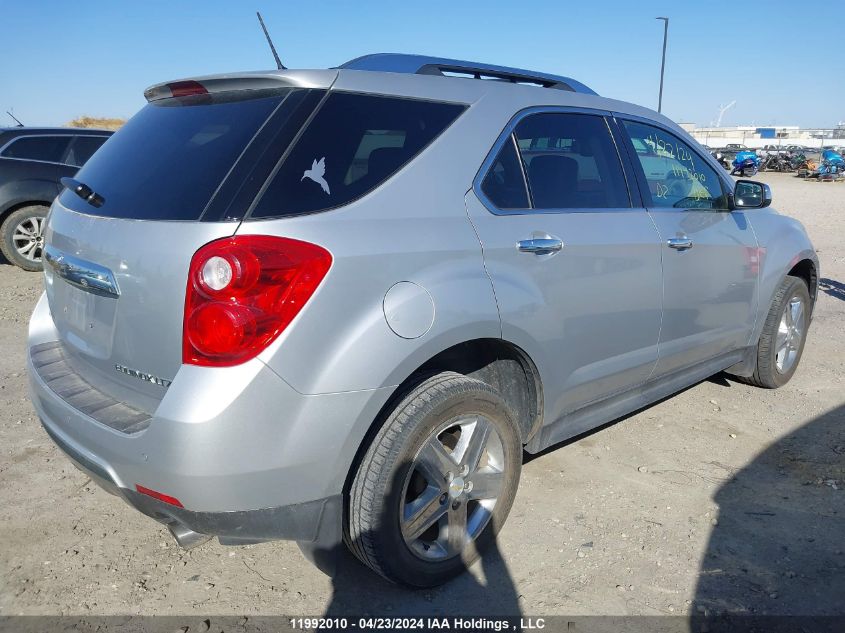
(243, 291)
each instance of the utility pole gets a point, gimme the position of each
(663, 62)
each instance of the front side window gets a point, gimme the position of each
(45, 148)
(571, 162)
(352, 145)
(676, 175)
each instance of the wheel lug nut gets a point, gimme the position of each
(464, 470)
(456, 505)
(468, 486)
(450, 476)
(443, 498)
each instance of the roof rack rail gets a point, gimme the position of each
(423, 65)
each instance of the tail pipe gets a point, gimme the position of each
(185, 537)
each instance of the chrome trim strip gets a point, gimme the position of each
(85, 275)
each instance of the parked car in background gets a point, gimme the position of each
(771, 150)
(32, 160)
(269, 314)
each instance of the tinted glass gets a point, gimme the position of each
(675, 174)
(571, 162)
(49, 148)
(504, 184)
(170, 158)
(82, 148)
(354, 143)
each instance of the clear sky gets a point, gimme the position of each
(60, 59)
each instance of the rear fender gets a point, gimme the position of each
(22, 192)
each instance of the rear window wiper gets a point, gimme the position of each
(83, 191)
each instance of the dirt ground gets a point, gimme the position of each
(724, 498)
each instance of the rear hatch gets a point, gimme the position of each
(180, 173)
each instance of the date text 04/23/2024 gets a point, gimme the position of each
(469, 624)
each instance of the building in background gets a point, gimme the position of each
(758, 136)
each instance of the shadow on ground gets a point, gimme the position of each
(835, 289)
(358, 591)
(779, 546)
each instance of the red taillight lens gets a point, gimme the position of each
(243, 291)
(186, 88)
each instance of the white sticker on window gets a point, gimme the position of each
(316, 173)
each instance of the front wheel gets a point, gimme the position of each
(784, 334)
(437, 482)
(22, 237)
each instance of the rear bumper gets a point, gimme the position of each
(311, 521)
(247, 456)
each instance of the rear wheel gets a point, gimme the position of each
(22, 237)
(784, 334)
(437, 482)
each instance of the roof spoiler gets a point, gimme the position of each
(266, 80)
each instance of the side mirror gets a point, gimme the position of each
(749, 194)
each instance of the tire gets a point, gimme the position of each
(768, 373)
(391, 481)
(13, 232)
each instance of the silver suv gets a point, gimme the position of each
(337, 305)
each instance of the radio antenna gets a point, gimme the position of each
(17, 120)
(279, 63)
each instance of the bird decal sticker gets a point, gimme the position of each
(316, 173)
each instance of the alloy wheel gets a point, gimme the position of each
(790, 334)
(452, 488)
(28, 238)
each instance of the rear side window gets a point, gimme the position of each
(170, 158)
(82, 148)
(571, 162)
(46, 148)
(354, 143)
(504, 184)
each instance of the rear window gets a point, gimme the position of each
(354, 143)
(46, 148)
(170, 158)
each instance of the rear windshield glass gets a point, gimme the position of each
(354, 143)
(170, 158)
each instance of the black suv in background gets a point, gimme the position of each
(32, 160)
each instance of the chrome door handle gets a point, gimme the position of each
(540, 245)
(679, 243)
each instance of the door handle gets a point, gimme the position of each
(679, 243)
(540, 245)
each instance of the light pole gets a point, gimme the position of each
(663, 62)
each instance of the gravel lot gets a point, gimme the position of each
(722, 498)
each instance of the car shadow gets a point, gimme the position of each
(835, 289)
(778, 547)
(358, 591)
